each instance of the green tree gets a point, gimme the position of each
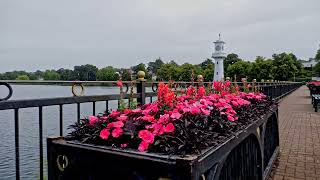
(241, 69)
(186, 72)
(154, 66)
(230, 59)
(107, 74)
(86, 72)
(67, 74)
(22, 77)
(126, 74)
(168, 72)
(316, 70)
(284, 66)
(317, 57)
(51, 75)
(207, 69)
(261, 69)
(140, 67)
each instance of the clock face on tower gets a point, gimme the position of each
(218, 48)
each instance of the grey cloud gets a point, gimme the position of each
(40, 34)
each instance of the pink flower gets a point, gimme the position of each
(230, 118)
(104, 118)
(164, 118)
(205, 112)
(124, 145)
(104, 134)
(176, 115)
(117, 132)
(195, 110)
(116, 124)
(148, 118)
(92, 120)
(119, 83)
(235, 103)
(114, 113)
(136, 110)
(122, 118)
(146, 136)
(169, 128)
(143, 146)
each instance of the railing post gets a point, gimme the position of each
(141, 82)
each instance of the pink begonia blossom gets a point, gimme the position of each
(176, 115)
(164, 118)
(230, 118)
(104, 134)
(194, 110)
(146, 136)
(143, 146)
(124, 145)
(122, 118)
(114, 114)
(117, 132)
(93, 120)
(116, 124)
(205, 112)
(169, 128)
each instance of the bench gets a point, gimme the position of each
(315, 101)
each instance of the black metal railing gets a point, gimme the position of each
(273, 90)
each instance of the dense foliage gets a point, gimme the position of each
(176, 124)
(283, 66)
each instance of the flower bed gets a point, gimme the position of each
(217, 133)
(183, 124)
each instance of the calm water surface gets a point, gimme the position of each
(28, 124)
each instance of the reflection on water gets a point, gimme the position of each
(28, 123)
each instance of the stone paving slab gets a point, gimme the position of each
(299, 128)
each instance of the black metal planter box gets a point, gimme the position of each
(247, 155)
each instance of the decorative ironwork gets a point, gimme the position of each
(10, 91)
(74, 87)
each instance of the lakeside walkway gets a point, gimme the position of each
(299, 128)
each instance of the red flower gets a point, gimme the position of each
(119, 83)
(146, 136)
(169, 128)
(127, 111)
(117, 132)
(201, 92)
(92, 120)
(104, 134)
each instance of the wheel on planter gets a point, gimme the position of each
(244, 161)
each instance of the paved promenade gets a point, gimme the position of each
(299, 128)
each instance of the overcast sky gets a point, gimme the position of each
(49, 34)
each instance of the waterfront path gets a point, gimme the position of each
(299, 128)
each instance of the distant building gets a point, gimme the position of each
(309, 64)
(219, 55)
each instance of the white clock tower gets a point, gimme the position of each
(219, 56)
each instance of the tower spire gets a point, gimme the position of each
(219, 36)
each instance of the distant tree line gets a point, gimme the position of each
(283, 67)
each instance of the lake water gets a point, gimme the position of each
(28, 124)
